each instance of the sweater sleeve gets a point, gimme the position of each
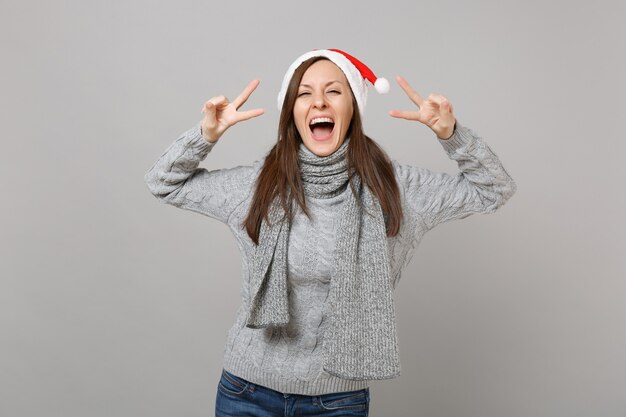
(482, 186)
(176, 179)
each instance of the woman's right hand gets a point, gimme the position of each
(220, 114)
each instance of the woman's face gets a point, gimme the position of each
(323, 108)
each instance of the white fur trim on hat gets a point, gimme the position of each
(355, 79)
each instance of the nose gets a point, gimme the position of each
(319, 101)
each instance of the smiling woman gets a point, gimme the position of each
(323, 108)
(319, 88)
(325, 223)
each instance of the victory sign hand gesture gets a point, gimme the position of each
(220, 114)
(435, 112)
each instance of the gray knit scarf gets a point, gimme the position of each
(361, 343)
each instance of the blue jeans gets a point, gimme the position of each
(238, 397)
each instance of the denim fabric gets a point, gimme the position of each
(238, 397)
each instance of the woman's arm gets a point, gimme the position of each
(482, 186)
(176, 179)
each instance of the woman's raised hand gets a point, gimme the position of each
(435, 112)
(220, 114)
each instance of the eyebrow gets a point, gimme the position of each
(327, 84)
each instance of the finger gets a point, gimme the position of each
(241, 99)
(403, 114)
(245, 115)
(445, 109)
(219, 101)
(438, 98)
(209, 109)
(415, 98)
(206, 103)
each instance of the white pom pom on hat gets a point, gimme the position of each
(382, 85)
(355, 71)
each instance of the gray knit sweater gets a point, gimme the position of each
(289, 359)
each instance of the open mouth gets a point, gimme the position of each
(321, 127)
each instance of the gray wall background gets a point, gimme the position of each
(113, 304)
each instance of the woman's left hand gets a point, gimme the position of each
(435, 112)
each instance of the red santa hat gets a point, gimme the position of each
(356, 72)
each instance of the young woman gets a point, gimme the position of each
(325, 222)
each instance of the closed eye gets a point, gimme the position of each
(303, 93)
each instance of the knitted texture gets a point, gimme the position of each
(362, 342)
(290, 358)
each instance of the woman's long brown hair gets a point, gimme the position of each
(280, 174)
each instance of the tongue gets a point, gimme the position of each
(321, 132)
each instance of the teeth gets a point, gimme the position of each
(321, 120)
